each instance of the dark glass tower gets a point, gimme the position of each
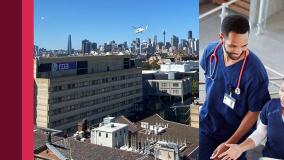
(164, 33)
(86, 46)
(189, 34)
(69, 45)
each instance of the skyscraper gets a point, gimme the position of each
(174, 41)
(149, 41)
(164, 33)
(155, 41)
(36, 51)
(168, 45)
(189, 34)
(69, 45)
(125, 45)
(193, 45)
(138, 42)
(94, 46)
(86, 46)
(196, 46)
(184, 43)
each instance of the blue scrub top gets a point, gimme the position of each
(271, 115)
(216, 118)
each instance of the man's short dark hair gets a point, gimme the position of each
(235, 23)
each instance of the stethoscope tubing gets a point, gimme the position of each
(211, 73)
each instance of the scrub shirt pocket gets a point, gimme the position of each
(239, 106)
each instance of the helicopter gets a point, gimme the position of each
(140, 29)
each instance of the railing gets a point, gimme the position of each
(272, 80)
(223, 7)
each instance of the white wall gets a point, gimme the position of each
(111, 140)
(179, 67)
(274, 6)
(271, 7)
(102, 140)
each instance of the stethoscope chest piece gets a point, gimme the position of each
(238, 91)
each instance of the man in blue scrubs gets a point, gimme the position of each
(236, 89)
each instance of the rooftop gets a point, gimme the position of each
(123, 120)
(181, 62)
(41, 138)
(175, 132)
(77, 150)
(149, 71)
(111, 127)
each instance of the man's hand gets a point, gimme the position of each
(219, 150)
(248, 121)
(246, 124)
(234, 152)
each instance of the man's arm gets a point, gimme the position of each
(246, 124)
(253, 140)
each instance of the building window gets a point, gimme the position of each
(137, 98)
(119, 132)
(100, 134)
(164, 91)
(106, 135)
(71, 86)
(175, 91)
(94, 82)
(114, 79)
(115, 135)
(164, 84)
(55, 88)
(175, 85)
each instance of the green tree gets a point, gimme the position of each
(195, 88)
(153, 66)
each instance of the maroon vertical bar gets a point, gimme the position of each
(10, 79)
(27, 79)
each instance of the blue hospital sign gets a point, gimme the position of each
(63, 66)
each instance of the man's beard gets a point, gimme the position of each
(232, 55)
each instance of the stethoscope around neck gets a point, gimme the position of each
(213, 64)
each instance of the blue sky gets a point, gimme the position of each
(105, 20)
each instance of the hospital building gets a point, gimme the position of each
(69, 89)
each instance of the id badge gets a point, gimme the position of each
(229, 101)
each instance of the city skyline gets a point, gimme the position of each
(128, 43)
(54, 21)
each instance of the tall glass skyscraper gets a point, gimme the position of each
(189, 34)
(69, 45)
